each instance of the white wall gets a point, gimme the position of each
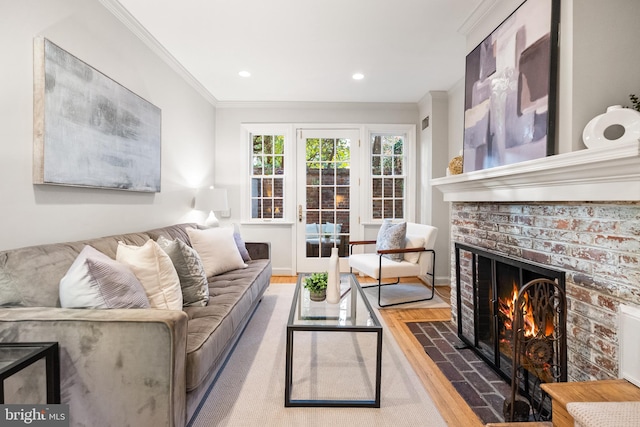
(434, 146)
(44, 213)
(230, 116)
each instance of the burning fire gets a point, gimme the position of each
(530, 327)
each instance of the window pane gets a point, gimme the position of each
(278, 187)
(267, 187)
(399, 209)
(343, 150)
(343, 219)
(278, 165)
(328, 174)
(388, 209)
(278, 210)
(313, 197)
(313, 217)
(343, 176)
(313, 150)
(257, 165)
(267, 208)
(328, 216)
(268, 165)
(377, 209)
(278, 144)
(376, 143)
(327, 149)
(256, 187)
(328, 198)
(399, 187)
(377, 188)
(375, 166)
(257, 144)
(386, 166)
(387, 146)
(397, 167)
(268, 144)
(256, 208)
(313, 176)
(398, 146)
(342, 197)
(388, 188)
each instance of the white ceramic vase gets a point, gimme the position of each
(616, 125)
(333, 278)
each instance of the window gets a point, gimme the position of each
(267, 176)
(391, 182)
(387, 176)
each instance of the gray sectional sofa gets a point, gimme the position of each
(125, 367)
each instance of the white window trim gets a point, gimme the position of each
(248, 129)
(409, 132)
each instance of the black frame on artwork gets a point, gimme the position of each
(510, 110)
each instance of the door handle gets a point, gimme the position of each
(300, 213)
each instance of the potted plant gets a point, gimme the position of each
(317, 286)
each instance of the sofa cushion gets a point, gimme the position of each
(217, 249)
(232, 295)
(96, 281)
(188, 265)
(153, 267)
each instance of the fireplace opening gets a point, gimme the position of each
(488, 286)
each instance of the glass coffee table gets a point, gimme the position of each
(336, 357)
(14, 357)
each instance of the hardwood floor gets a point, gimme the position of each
(452, 407)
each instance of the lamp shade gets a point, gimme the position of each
(212, 199)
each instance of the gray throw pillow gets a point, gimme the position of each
(96, 281)
(188, 265)
(242, 248)
(392, 236)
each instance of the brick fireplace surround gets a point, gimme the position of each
(597, 244)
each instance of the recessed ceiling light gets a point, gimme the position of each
(244, 74)
(358, 76)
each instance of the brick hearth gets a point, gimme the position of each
(482, 389)
(597, 244)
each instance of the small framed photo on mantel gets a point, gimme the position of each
(510, 89)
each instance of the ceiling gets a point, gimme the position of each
(308, 50)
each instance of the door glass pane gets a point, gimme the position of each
(327, 180)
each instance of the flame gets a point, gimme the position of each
(507, 308)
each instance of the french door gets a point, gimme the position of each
(327, 195)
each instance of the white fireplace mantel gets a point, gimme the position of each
(596, 174)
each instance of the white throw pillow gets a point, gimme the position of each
(96, 281)
(217, 249)
(153, 267)
(413, 242)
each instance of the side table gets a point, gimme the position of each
(14, 357)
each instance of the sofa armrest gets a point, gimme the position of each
(259, 250)
(117, 367)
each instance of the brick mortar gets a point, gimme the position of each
(596, 244)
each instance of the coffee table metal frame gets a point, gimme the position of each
(39, 350)
(319, 324)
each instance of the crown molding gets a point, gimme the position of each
(478, 14)
(123, 15)
(309, 105)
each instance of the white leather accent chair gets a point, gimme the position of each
(419, 260)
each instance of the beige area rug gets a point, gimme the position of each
(391, 294)
(250, 389)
